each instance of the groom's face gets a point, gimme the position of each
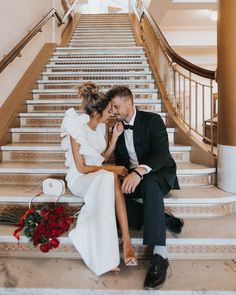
(122, 107)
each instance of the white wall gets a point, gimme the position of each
(16, 19)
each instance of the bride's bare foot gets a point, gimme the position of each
(129, 255)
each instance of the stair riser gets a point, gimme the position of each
(97, 44)
(113, 38)
(99, 63)
(175, 252)
(186, 211)
(26, 179)
(94, 76)
(36, 179)
(47, 122)
(63, 108)
(84, 35)
(103, 55)
(74, 96)
(196, 180)
(105, 87)
(104, 43)
(59, 157)
(96, 69)
(48, 137)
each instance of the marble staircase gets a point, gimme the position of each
(103, 49)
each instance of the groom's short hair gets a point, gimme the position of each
(121, 91)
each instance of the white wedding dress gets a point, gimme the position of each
(95, 235)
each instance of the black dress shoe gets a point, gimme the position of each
(156, 275)
(174, 224)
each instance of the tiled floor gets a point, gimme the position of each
(54, 276)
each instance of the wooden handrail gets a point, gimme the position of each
(173, 55)
(17, 49)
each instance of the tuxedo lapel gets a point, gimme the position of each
(137, 132)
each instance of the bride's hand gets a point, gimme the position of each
(120, 170)
(118, 129)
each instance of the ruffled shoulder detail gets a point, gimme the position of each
(74, 125)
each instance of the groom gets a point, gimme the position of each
(143, 149)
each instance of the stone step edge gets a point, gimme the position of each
(69, 198)
(54, 130)
(63, 171)
(96, 66)
(138, 241)
(95, 48)
(61, 114)
(79, 101)
(76, 82)
(75, 91)
(58, 148)
(125, 59)
(109, 74)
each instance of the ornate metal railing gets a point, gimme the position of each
(189, 89)
(18, 48)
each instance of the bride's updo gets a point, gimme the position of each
(93, 98)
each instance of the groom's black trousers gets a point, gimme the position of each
(150, 214)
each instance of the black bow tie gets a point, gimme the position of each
(127, 126)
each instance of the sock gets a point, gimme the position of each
(161, 250)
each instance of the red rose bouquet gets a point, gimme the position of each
(44, 226)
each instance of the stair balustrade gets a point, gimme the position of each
(187, 89)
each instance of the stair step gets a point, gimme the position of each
(52, 134)
(189, 174)
(54, 119)
(38, 153)
(197, 203)
(93, 54)
(99, 67)
(201, 239)
(97, 75)
(73, 93)
(94, 59)
(102, 50)
(60, 105)
(84, 34)
(98, 39)
(108, 31)
(99, 45)
(132, 84)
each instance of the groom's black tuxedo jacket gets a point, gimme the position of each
(151, 146)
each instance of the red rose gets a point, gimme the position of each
(56, 232)
(54, 243)
(45, 212)
(45, 247)
(59, 210)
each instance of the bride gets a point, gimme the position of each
(84, 139)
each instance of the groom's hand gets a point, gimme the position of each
(130, 183)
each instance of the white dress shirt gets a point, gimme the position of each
(129, 142)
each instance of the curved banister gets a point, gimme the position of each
(173, 55)
(17, 49)
(187, 89)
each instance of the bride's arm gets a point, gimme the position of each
(83, 168)
(117, 130)
(79, 159)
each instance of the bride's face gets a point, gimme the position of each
(106, 114)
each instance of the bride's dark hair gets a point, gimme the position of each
(93, 98)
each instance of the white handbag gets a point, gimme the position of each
(53, 187)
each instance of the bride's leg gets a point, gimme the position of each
(129, 255)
